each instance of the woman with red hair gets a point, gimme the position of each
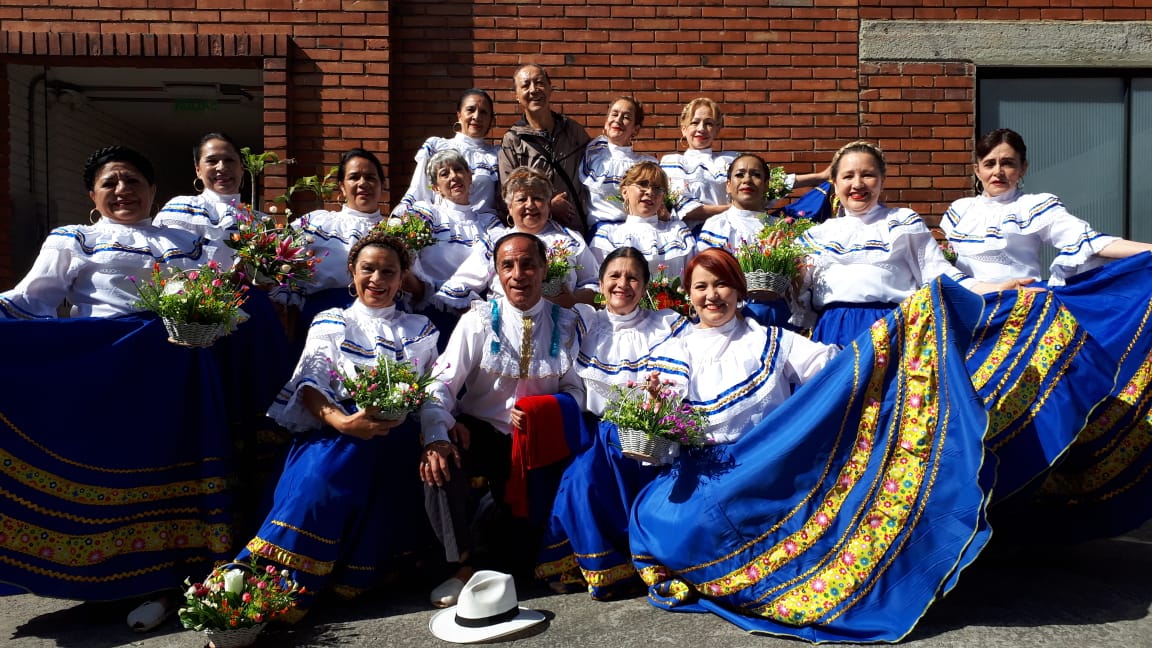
(738, 370)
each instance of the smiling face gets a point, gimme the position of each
(361, 185)
(859, 181)
(620, 126)
(121, 193)
(643, 197)
(622, 284)
(376, 276)
(1001, 170)
(746, 181)
(529, 211)
(713, 298)
(699, 128)
(475, 116)
(521, 271)
(453, 181)
(533, 90)
(219, 167)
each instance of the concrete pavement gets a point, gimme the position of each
(1093, 595)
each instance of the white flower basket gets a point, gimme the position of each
(761, 281)
(233, 637)
(638, 445)
(194, 334)
(391, 414)
(553, 287)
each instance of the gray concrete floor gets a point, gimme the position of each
(1093, 595)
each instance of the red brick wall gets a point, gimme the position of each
(385, 74)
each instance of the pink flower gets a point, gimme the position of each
(891, 486)
(822, 519)
(848, 558)
(790, 547)
(818, 585)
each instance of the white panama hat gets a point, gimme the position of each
(487, 609)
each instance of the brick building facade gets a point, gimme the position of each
(797, 78)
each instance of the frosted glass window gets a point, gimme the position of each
(1076, 130)
(1140, 162)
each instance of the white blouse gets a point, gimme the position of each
(883, 255)
(477, 274)
(732, 229)
(482, 160)
(344, 339)
(741, 371)
(602, 169)
(333, 234)
(615, 349)
(670, 242)
(456, 229)
(484, 356)
(92, 266)
(699, 176)
(208, 214)
(999, 238)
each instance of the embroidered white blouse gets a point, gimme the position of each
(485, 356)
(482, 160)
(732, 229)
(615, 349)
(741, 371)
(456, 229)
(999, 238)
(669, 242)
(333, 234)
(601, 170)
(883, 255)
(477, 274)
(342, 339)
(208, 214)
(92, 266)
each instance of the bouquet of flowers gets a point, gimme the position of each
(238, 595)
(269, 255)
(774, 258)
(560, 261)
(666, 292)
(776, 187)
(414, 229)
(197, 306)
(946, 248)
(651, 416)
(390, 389)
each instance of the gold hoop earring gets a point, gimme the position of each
(352, 289)
(201, 187)
(94, 216)
(457, 127)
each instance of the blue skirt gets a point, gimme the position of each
(844, 521)
(771, 313)
(115, 459)
(841, 322)
(586, 541)
(344, 510)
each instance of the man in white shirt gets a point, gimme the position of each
(514, 346)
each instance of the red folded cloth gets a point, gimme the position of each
(540, 442)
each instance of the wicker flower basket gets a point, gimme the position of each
(638, 445)
(761, 281)
(193, 334)
(391, 414)
(233, 638)
(553, 287)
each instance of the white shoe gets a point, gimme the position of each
(446, 593)
(147, 616)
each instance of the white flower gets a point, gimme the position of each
(234, 581)
(403, 388)
(191, 593)
(272, 209)
(173, 286)
(395, 222)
